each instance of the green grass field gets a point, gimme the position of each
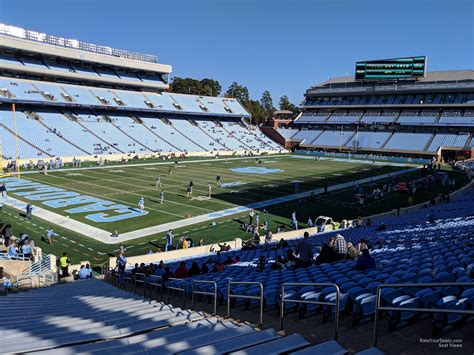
(125, 184)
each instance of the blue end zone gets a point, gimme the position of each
(255, 170)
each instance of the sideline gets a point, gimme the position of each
(171, 161)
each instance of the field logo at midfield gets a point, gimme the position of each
(255, 170)
(56, 197)
(232, 184)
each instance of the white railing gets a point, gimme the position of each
(19, 32)
(39, 267)
(20, 257)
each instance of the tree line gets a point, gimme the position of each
(259, 109)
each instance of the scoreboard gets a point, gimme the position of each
(397, 68)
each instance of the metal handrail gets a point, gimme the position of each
(160, 285)
(214, 294)
(20, 278)
(229, 295)
(19, 256)
(137, 280)
(336, 304)
(181, 289)
(378, 307)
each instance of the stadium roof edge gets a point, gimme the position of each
(431, 76)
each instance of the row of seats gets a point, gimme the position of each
(75, 68)
(51, 134)
(408, 250)
(404, 119)
(64, 93)
(91, 316)
(392, 100)
(398, 141)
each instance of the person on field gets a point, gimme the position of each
(162, 197)
(49, 236)
(29, 210)
(141, 204)
(3, 190)
(158, 181)
(121, 265)
(294, 221)
(169, 239)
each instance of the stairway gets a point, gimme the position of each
(40, 120)
(95, 135)
(24, 140)
(129, 136)
(189, 139)
(164, 140)
(236, 138)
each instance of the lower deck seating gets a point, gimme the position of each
(408, 141)
(46, 134)
(91, 316)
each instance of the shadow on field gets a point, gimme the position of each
(273, 188)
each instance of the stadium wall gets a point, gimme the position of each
(205, 249)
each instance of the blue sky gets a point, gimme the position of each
(284, 46)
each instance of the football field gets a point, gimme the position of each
(89, 191)
(107, 198)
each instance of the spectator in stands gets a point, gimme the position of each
(237, 259)
(282, 244)
(362, 245)
(64, 263)
(218, 267)
(305, 252)
(7, 284)
(290, 259)
(160, 269)
(228, 261)
(431, 217)
(181, 271)
(365, 262)
(278, 264)
(224, 247)
(341, 247)
(27, 250)
(12, 250)
(327, 253)
(121, 263)
(168, 273)
(262, 262)
(352, 252)
(194, 269)
(204, 269)
(84, 273)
